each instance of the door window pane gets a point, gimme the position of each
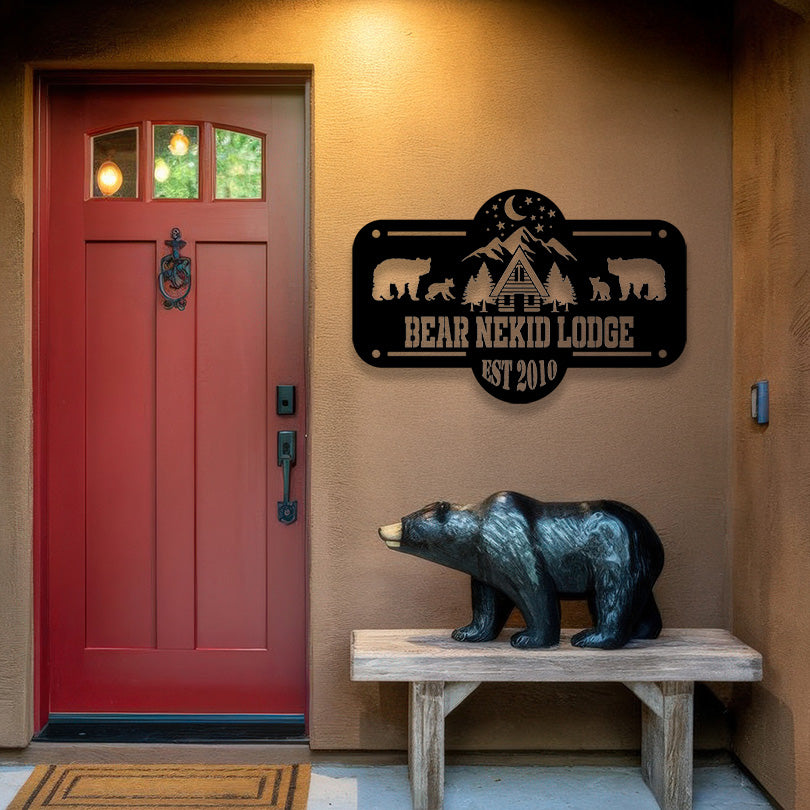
(115, 164)
(239, 165)
(177, 161)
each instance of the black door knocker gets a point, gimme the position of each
(174, 279)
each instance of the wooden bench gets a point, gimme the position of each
(661, 673)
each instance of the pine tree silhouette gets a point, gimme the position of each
(478, 289)
(560, 290)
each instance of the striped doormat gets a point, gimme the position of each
(154, 787)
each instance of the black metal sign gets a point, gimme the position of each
(519, 294)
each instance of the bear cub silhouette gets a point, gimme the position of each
(524, 552)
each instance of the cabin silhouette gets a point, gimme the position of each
(519, 289)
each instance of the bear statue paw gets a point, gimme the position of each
(472, 632)
(597, 638)
(527, 639)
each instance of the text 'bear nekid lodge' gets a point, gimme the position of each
(519, 332)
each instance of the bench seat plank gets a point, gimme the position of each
(432, 655)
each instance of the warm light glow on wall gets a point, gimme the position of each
(109, 178)
(377, 34)
(372, 26)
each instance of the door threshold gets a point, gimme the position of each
(174, 728)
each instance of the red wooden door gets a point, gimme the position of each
(173, 587)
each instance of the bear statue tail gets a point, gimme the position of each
(646, 548)
(647, 552)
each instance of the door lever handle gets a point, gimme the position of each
(287, 509)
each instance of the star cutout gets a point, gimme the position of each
(501, 226)
(528, 200)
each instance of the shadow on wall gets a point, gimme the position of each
(765, 717)
(499, 711)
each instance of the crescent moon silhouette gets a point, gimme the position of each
(509, 209)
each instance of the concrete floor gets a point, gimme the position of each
(474, 787)
(12, 778)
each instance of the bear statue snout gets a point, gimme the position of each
(391, 534)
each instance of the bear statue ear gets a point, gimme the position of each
(442, 510)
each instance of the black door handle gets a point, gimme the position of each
(287, 509)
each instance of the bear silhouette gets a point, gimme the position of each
(441, 288)
(601, 289)
(530, 553)
(635, 274)
(396, 278)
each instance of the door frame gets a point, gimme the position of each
(43, 80)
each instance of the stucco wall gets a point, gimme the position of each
(423, 109)
(16, 491)
(772, 341)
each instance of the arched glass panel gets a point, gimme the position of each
(177, 161)
(115, 164)
(239, 165)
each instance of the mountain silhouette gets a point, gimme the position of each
(555, 246)
(501, 249)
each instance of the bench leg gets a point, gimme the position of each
(426, 744)
(666, 744)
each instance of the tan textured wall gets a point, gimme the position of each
(771, 487)
(424, 109)
(16, 498)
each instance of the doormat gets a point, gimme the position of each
(153, 787)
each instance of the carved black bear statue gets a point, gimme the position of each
(523, 552)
